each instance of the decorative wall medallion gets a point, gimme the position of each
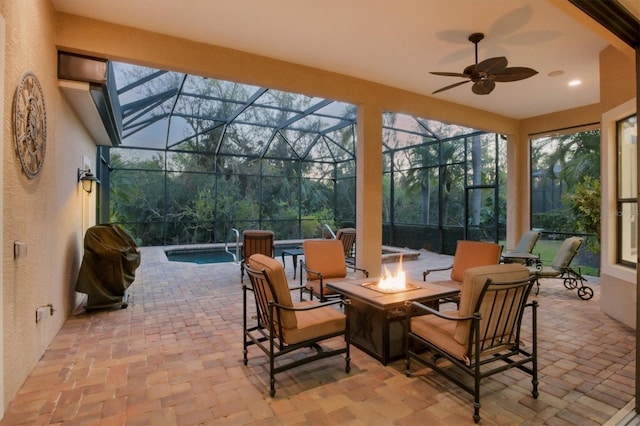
(30, 124)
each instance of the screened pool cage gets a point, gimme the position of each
(196, 157)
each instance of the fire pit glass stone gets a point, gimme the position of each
(374, 286)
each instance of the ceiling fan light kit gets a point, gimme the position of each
(485, 74)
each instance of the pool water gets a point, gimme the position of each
(211, 255)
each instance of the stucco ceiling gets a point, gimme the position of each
(395, 43)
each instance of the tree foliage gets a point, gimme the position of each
(566, 185)
(584, 204)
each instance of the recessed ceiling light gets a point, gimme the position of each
(573, 83)
(555, 73)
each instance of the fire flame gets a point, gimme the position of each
(396, 282)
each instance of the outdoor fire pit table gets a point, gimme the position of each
(376, 316)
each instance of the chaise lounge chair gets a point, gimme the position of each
(560, 268)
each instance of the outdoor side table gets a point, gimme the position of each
(376, 320)
(294, 253)
(528, 259)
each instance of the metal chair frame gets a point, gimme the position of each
(267, 331)
(485, 350)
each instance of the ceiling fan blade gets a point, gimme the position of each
(451, 86)
(483, 87)
(492, 65)
(514, 74)
(450, 74)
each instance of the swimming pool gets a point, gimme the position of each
(211, 255)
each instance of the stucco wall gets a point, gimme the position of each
(617, 78)
(44, 212)
(618, 294)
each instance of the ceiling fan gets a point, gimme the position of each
(485, 74)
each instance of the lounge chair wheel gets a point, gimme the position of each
(570, 283)
(585, 293)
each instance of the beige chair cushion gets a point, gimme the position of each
(566, 252)
(527, 242)
(474, 281)
(315, 323)
(561, 260)
(439, 331)
(325, 256)
(276, 274)
(470, 254)
(452, 336)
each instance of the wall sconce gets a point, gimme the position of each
(87, 178)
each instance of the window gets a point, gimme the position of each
(627, 202)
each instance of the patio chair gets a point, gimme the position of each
(483, 337)
(560, 268)
(348, 238)
(282, 327)
(256, 241)
(468, 255)
(323, 260)
(523, 253)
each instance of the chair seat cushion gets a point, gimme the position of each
(547, 271)
(315, 323)
(439, 332)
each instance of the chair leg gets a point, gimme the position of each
(244, 326)
(407, 365)
(476, 393)
(347, 367)
(347, 336)
(272, 375)
(534, 348)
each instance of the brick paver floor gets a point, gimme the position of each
(174, 357)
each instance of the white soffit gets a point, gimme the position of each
(79, 97)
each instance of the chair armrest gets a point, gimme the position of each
(430, 310)
(364, 271)
(428, 271)
(307, 270)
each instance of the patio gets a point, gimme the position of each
(174, 356)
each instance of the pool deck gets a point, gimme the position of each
(174, 357)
